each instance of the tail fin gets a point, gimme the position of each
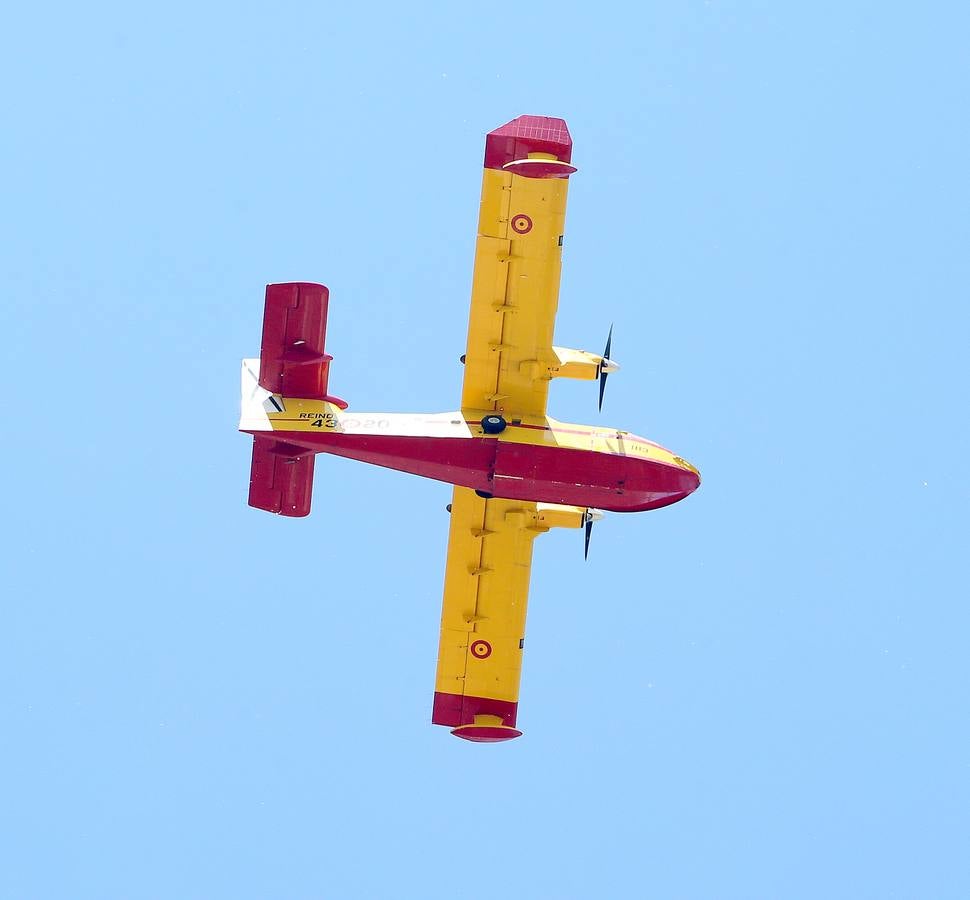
(292, 360)
(281, 478)
(292, 363)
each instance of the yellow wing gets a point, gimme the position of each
(515, 288)
(483, 613)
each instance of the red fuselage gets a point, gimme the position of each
(516, 471)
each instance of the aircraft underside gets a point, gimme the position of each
(512, 471)
(517, 472)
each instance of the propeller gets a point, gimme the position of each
(591, 515)
(606, 366)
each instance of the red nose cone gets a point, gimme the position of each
(680, 483)
(693, 482)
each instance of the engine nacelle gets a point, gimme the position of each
(580, 364)
(558, 515)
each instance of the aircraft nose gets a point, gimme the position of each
(690, 478)
(659, 485)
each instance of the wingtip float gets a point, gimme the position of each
(516, 471)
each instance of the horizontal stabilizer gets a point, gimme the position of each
(281, 479)
(292, 359)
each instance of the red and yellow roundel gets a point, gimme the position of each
(481, 649)
(521, 224)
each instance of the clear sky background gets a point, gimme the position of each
(758, 693)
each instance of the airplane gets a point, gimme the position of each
(516, 471)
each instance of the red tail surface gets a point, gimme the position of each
(292, 362)
(281, 479)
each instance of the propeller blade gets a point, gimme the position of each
(603, 373)
(591, 515)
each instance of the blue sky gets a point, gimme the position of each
(757, 693)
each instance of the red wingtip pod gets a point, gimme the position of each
(540, 168)
(480, 719)
(515, 140)
(486, 734)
